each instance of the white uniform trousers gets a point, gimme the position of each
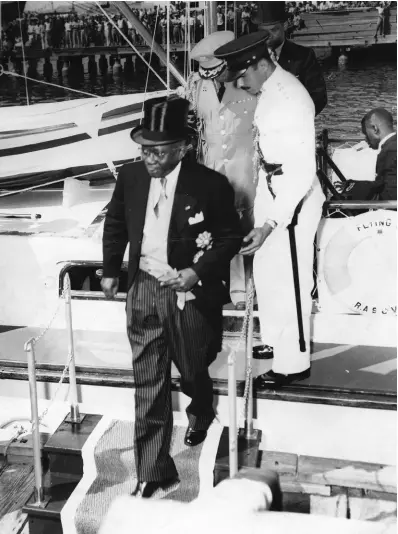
(273, 278)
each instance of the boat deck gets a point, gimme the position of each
(349, 375)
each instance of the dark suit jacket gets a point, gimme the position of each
(385, 184)
(301, 61)
(199, 190)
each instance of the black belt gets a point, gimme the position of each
(270, 169)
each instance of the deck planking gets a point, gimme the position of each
(16, 487)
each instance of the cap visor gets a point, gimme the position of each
(232, 75)
(211, 63)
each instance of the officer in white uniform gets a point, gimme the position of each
(225, 116)
(285, 141)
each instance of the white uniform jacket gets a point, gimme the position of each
(284, 119)
(227, 135)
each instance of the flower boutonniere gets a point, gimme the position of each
(204, 242)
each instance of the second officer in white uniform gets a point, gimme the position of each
(224, 120)
(285, 142)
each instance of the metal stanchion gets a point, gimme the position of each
(74, 416)
(233, 426)
(39, 491)
(249, 431)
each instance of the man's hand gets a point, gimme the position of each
(110, 287)
(255, 239)
(184, 281)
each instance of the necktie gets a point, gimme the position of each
(162, 197)
(221, 91)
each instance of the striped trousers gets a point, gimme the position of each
(160, 333)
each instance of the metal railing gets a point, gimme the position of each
(246, 335)
(74, 417)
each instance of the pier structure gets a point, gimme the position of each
(346, 28)
(91, 59)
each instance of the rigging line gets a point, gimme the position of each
(168, 46)
(150, 60)
(188, 40)
(131, 44)
(49, 83)
(225, 15)
(23, 56)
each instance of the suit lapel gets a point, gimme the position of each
(182, 205)
(284, 59)
(139, 200)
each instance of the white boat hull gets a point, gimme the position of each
(67, 138)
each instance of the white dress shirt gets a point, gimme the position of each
(156, 229)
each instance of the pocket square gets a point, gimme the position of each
(197, 219)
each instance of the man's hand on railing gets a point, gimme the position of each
(110, 287)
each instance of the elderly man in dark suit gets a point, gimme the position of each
(296, 59)
(378, 128)
(180, 222)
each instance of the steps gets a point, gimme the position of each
(337, 488)
(63, 450)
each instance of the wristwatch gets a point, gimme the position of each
(272, 223)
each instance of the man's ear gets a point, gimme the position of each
(376, 129)
(263, 65)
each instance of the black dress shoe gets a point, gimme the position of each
(144, 490)
(263, 352)
(194, 437)
(273, 380)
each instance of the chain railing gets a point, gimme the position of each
(74, 416)
(246, 334)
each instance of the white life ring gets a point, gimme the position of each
(360, 264)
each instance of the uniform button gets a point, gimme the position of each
(222, 132)
(245, 111)
(225, 161)
(222, 117)
(224, 147)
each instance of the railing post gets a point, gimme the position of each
(233, 426)
(74, 406)
(39, 491)
(249, 430)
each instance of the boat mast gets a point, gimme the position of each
(168, 46)
(210, 18)
(157, 49)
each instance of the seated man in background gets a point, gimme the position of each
(378, 128)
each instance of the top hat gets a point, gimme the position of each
(203, 52)
(243, 52)
(269, 13)
(164, 122)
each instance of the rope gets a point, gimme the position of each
(188, 41)
(150, 60)
(150, 55)
(23, 57)
(131, 44)
(2, 71)
(9, 193)
(168, 46)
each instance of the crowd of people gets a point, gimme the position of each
(76, 30)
